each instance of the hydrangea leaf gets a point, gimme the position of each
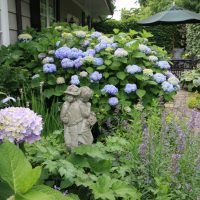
(42, 192)
(16, 170)
(121, 75)
(108, 62)
(49, 92)
(140, 93)
(5, 191)
(89, 70)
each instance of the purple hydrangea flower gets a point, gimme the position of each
(95, 34)
(110, 89)
(159, 78)
(132, 69)
(130, 88)
(75, 80)
(20, 124)
(95, 76)
(167, 87)
(78, 62)
(163, 64)
(98, 61)
(113, 101)
(74, 53)
(49, 68)
(62, 52)
(67, 63)
(48, 60)
(100, 46)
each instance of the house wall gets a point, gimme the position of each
(69, 8)
(25, 9)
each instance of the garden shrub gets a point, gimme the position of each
(167, 36)
(193, 40)
(194, 101)
(191, 80)
(120, 68)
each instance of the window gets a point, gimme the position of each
(47, 12)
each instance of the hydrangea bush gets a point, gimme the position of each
(18, 124)
(122, 69)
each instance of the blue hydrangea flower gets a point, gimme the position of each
(163, 64)
(113, 101)
(89, 52)
(100, 46)
(67, 63)
(57, 43)
(98, 61)
(75, 80)
(95, 76)
(132, 69)
(110, 89)
(144, 49)
(120, 52)
(167, 87)
(130, 88)
(95, 34)
(74, 53)
(159, 78)
(78, 62)
(86, 43)
(41, 55)
(62, 52)
(49, 68)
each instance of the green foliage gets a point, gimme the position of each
(167, 36)
(191, 80)
(193, 40)
(194, 101)
(17, 177)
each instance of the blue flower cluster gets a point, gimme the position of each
(95, 76)
(96, 34)
(110, 89)
(113, 101)
(75, 80)
(130, 88)
(167, 87)
(89, 52)
(144, 49)
(120, 52)
(163, 64)
(86, 43)
(159, 78)
(132, 69)
(49, 68)
(98, 61)
(67, 63)
(103, 45)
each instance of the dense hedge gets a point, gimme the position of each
(193, 39)
(163, 34)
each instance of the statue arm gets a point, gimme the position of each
(85, 109)
(63, 113)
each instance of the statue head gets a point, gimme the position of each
(72, 92)
(86, 93)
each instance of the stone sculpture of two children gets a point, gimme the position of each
(77, 116)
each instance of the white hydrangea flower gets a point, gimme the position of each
(60, 80)
(83, 74)
(153, 58)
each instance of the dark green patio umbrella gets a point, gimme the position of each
(174, 15)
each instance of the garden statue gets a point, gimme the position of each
(77, 116)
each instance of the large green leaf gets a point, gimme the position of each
(121, 75)
(42, 192)
(102, 188)
(140, 93)
(16, 170)
(5, 191)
